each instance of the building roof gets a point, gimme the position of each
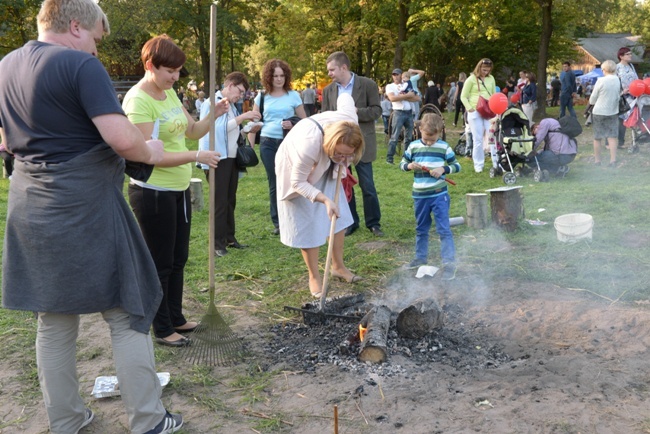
(603, 46)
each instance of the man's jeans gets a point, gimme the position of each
(268, 148)
(371, 209)
(566, 102)
(401, 118)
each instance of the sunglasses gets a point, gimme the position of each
(486, 62)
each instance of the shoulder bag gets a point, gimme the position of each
(246, 156)
(623, 106)
(482, 107)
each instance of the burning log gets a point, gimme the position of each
(420, 318)
(374, 328)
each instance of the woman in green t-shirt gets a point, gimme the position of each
(162, 203)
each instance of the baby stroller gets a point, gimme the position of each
(465, 143)
(427, 108)
(639, 122)
(515, 145)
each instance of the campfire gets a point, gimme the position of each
(361, 337)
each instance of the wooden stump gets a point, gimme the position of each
(477, 211)
(373, 346)
(506, 205)
(196, 194)
(420, 318)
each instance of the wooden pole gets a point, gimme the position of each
(211, 141)
(336, 419)
(330, 247)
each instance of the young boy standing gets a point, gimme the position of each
(430, 159)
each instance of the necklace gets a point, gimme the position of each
(146, 87)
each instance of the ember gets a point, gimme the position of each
(459, 344)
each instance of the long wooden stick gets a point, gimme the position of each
(211, 141)
(336, 419)
(330, 247)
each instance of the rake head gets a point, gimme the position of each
(213, 343)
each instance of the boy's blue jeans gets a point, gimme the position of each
(439, 207)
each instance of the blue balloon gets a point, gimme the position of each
(498, 89)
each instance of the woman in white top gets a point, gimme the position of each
(226, 176)
(605, 98)
(306, 166)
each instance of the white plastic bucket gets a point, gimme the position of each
(574, 227)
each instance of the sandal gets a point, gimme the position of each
(353, 279)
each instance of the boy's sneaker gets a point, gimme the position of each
(449, 272)
(170, 424)
(417, 262)
(89, 418)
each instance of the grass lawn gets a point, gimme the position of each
(269, 275)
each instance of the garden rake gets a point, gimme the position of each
(213, 342)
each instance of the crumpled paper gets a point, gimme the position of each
(426, 270)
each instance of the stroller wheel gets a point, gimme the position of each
(509, 178)
(634, 149)
(546, 176)
(493, 172)
(538, 176)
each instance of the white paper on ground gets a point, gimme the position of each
(426, 270)
(107, 386)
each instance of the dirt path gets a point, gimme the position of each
(576, 364)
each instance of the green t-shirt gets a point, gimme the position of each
(142, 108)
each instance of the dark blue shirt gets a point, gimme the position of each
(568, 80)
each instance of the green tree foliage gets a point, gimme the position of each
(17, 23)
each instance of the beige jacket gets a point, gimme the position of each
(301, 161)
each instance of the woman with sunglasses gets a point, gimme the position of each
(307, 165)
(227, 173)
(162, 204)
(280, 104)
(479, 83)
(627, 74)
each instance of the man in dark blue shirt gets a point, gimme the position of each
(568, 80)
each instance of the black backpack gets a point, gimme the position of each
(570, 126)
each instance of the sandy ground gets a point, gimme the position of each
(578, 364)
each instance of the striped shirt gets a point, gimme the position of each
(439, 154)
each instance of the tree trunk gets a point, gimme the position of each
(542, 59)
(507, 206)
(373, 346)
(403, 6)
(477, 214)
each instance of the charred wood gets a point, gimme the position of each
(419, 319)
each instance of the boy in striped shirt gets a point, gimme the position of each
(431, 159)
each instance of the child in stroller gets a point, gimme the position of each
(639, 122)
(514, 145)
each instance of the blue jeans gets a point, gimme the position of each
(566, 102)
(268, 149)
(439, 207)
(385, 119)
(371, 209)
(401, 118)
(551, 162)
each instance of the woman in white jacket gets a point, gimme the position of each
(306, 167)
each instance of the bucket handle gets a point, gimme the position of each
(575, 235)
